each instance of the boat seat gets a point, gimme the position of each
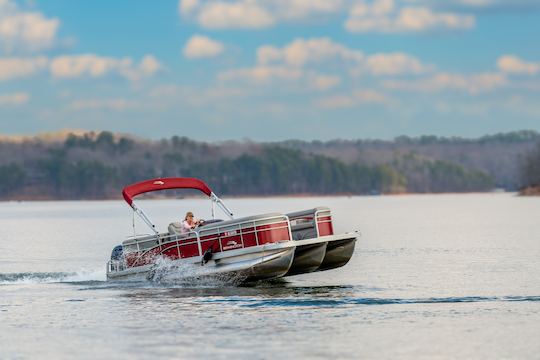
(308, 233)
(175, 228)
(302, 226)
(304, 230)
(117, 252)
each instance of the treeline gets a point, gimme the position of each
(531, 168)
(96, 166)
(499, 156)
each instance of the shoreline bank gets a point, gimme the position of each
(530, 191)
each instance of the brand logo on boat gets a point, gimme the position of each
(230, 233)
(231, 244)
(159, 182)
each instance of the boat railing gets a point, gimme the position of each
(323, 219)
(116, 265)
(138, 236)
(319, 219)
(246, 228)
(229, 235)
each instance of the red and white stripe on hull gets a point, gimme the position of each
(221, 237)
(271, 260)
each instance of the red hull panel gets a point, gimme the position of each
(324, 225)
(226, 241)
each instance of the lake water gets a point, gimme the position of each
(434, 276)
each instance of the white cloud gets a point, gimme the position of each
(25, 31)
(504, 5)
(325, 82)
(301, 52)
(320, 64)
(104, 104)
(301, 9)
(395, 64)
(271, 75)
(187, 6)
(199, 46)
(261, 74)
(355, 99)
(74, 66)
(384, 16)
(91, 65)
(419, 19)
(512, 64)
(227, 15)
(472, 84)
(475, 3)
(11, 68)
(364, 15)
(319, 51)
(149, 65)
(14, 99)
(255, 14)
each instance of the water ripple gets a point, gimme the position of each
(333, 302)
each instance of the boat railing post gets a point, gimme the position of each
(219, 239)
(256, 234)
(198, 242)
(145, 218)
(289, 227)
(241, 234)
(223, 207)
(316, 222)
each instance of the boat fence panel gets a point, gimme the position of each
(319, 219)
(243, 234)
(246, 234)
(324, 223)
(115, 265)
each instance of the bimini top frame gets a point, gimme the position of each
(131, 191)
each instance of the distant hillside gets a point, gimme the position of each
(77, 165)
(531, 172)
(500, 156)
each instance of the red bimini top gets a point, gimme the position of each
(159, 184)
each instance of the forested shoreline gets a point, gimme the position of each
(98, 165)
(530, 172)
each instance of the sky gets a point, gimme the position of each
(269, 70)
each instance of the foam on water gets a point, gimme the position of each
(52, 277)
(167, 272)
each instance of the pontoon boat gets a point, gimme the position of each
(250, 248)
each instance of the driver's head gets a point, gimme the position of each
(189, 215)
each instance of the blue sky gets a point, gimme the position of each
(270, 69)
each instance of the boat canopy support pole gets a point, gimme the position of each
(220, 203)
(144, 218)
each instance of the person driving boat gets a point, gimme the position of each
(190, 222)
